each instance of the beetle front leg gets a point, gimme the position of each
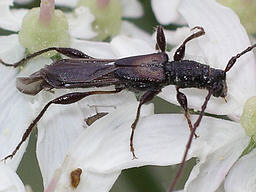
(148, 96)
(69, 52)
(182, 99)
(63, 100)
(196, 124)
(180, 52)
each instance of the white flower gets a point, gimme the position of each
(79, 23)
(106, 103)
(61, 124)
(131, 8)
(9, 180)
(19, 110)
(102, 150)
(166, 11)
(159, 139)
(242, 175)
(225, 37)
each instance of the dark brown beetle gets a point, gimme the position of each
(144, 73)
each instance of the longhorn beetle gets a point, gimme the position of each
(145, 73)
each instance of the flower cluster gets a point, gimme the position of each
(101, 150)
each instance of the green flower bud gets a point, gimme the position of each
(246, 10)
(108, 15)
(248, 118)
(35, 35)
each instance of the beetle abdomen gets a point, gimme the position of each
(30, 85)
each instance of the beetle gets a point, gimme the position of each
(144, 73)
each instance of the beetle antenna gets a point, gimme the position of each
(232, 61)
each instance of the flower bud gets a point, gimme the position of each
(108, 15)
(248, 118)
(40, 31)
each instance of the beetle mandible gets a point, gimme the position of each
(144, 73)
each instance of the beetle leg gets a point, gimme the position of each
(182, 99)
(196, 124)
(63, 100)
(180, 52)
(69, 52)
(148, 96)
(160, 38)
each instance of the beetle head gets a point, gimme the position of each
(220, 89)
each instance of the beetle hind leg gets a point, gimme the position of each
(63, 100)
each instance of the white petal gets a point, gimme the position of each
(166, 11)
(100, 103)
(210, 172)
(8, 20)
(15, 110)
(9, 180)
(95, 49)
(124, 46)
(10, 49)
(220, 43)
(132, 8)
(104, 146)
(176, 37)
(89, 181)
(57, 129)
(105, 103)
(66, 3)
(242, 175)
(80, 23)
(61, 125)
(132, 30)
